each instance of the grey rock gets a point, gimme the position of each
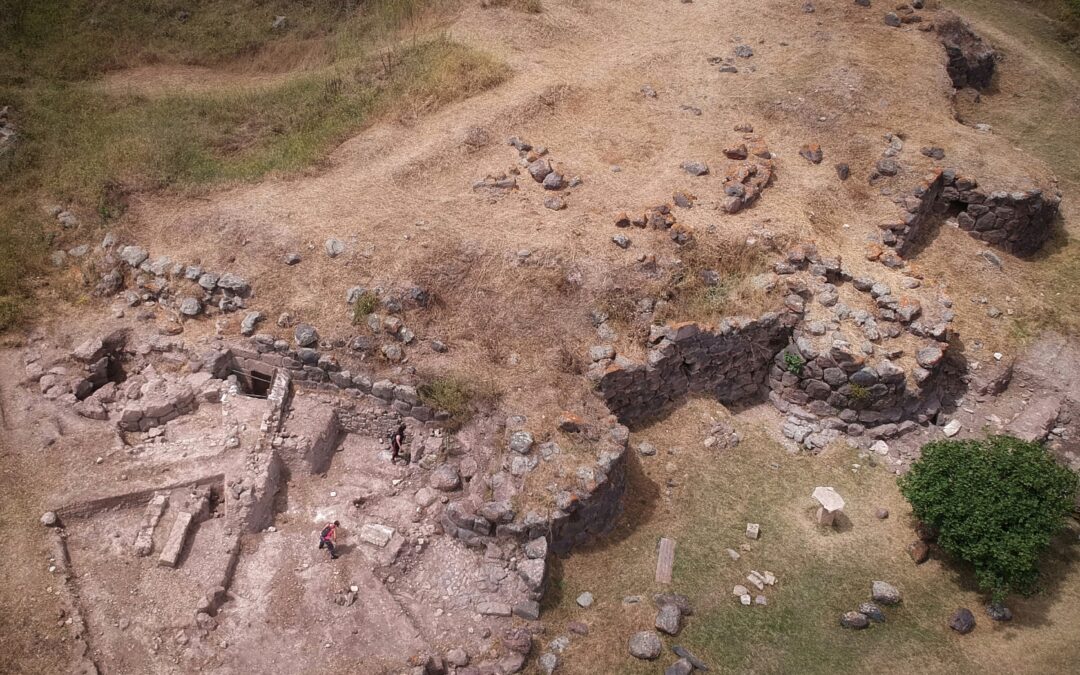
(622, 241)
(684, 653)
(291, 258)
(521, 442)
(744, 51)
(133, 255)
(446, 478)
(680, 667)
(695, 168)
(190, 307)
(645, 645)
(962, 621)
(539, 170)
(999, 612)
(548, 662)
(305, 335)
(855, 620)
(553, 181)
(884, 593)
(585, 599)
(891, 19)
(49, 519)
(247, 326)
(333, 247)
(668, 619)
(872, 612)
(528, 610)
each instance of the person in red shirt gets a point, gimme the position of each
(328, 538)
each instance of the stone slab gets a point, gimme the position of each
(665, 560)
(177, 536)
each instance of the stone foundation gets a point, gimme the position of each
(971, 61)
(729, 361)
(1019, 222)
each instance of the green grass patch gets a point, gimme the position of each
(81, 145)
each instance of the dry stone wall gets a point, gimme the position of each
(729, 361)
(1019, 222)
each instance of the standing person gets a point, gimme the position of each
(328, 538)
(396, 441)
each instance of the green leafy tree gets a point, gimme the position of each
(995, 503)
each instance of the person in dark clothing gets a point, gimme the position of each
(397, 440)
(328, 538)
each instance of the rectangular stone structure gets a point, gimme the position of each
(144, 539)
(665, 560)
(177, 536)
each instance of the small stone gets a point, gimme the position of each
(305, 335)
(812, 153)
(998, 612)
(334, 247)
(585, 599)
(49, 519)
(753, 530)
(668, 619)
(682, 666)
(645, 645)
(855, 620)
(291, 258)
(962, 621)
(548, 662)
(891, 19)
(872, 612)
(881, 513)
(952, 428)
(555, 203)
(646, 449)
(695, 168)
(884, 593)
(190, 307)
(843, 171)
(622, 241)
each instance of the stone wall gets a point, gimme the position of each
(729, 361)
(971, 60)
(1019, 222)
(310, 369)
(581, 511)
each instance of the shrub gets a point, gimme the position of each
(364, 305)
(794, 363)
(996, 504)
(859, 393)
(456, 396)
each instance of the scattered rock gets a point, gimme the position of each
(843, 171)
(555, 203)
(680, 667)
(305, 335)
(891, 19)
(884, 593)
(933, 152)
(622, 241)
(695, 168)
(962, 621)
(872, 612)
(998, 612)
(952, 428)
(585, 600)
(812, 153)
(646, 645)
(753, 530)
(881, 513)
(445, 478)
(49, 519)
(668, 619)
(855, 620)
(334, 247)
(190, 307)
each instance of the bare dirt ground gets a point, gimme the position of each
(400, 198)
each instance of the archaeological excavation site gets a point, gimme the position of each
(477, 337)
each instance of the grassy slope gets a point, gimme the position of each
(83, 146)
(821, 572)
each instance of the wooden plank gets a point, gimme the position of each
(665, 560)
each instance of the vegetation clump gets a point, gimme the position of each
(456, 396)
(995, 503)
(794, 363)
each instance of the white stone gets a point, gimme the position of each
(880, 447)
(768, 577)
(828, 498)
(374, 533)
(745, 599)
(753, 530)
(756, 580)
(740, 590)
(733, 554)
(952, 428)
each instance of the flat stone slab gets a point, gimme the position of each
(493, 608)
(665, 561)
(829, 499)
(376, 534)
(177, 536)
